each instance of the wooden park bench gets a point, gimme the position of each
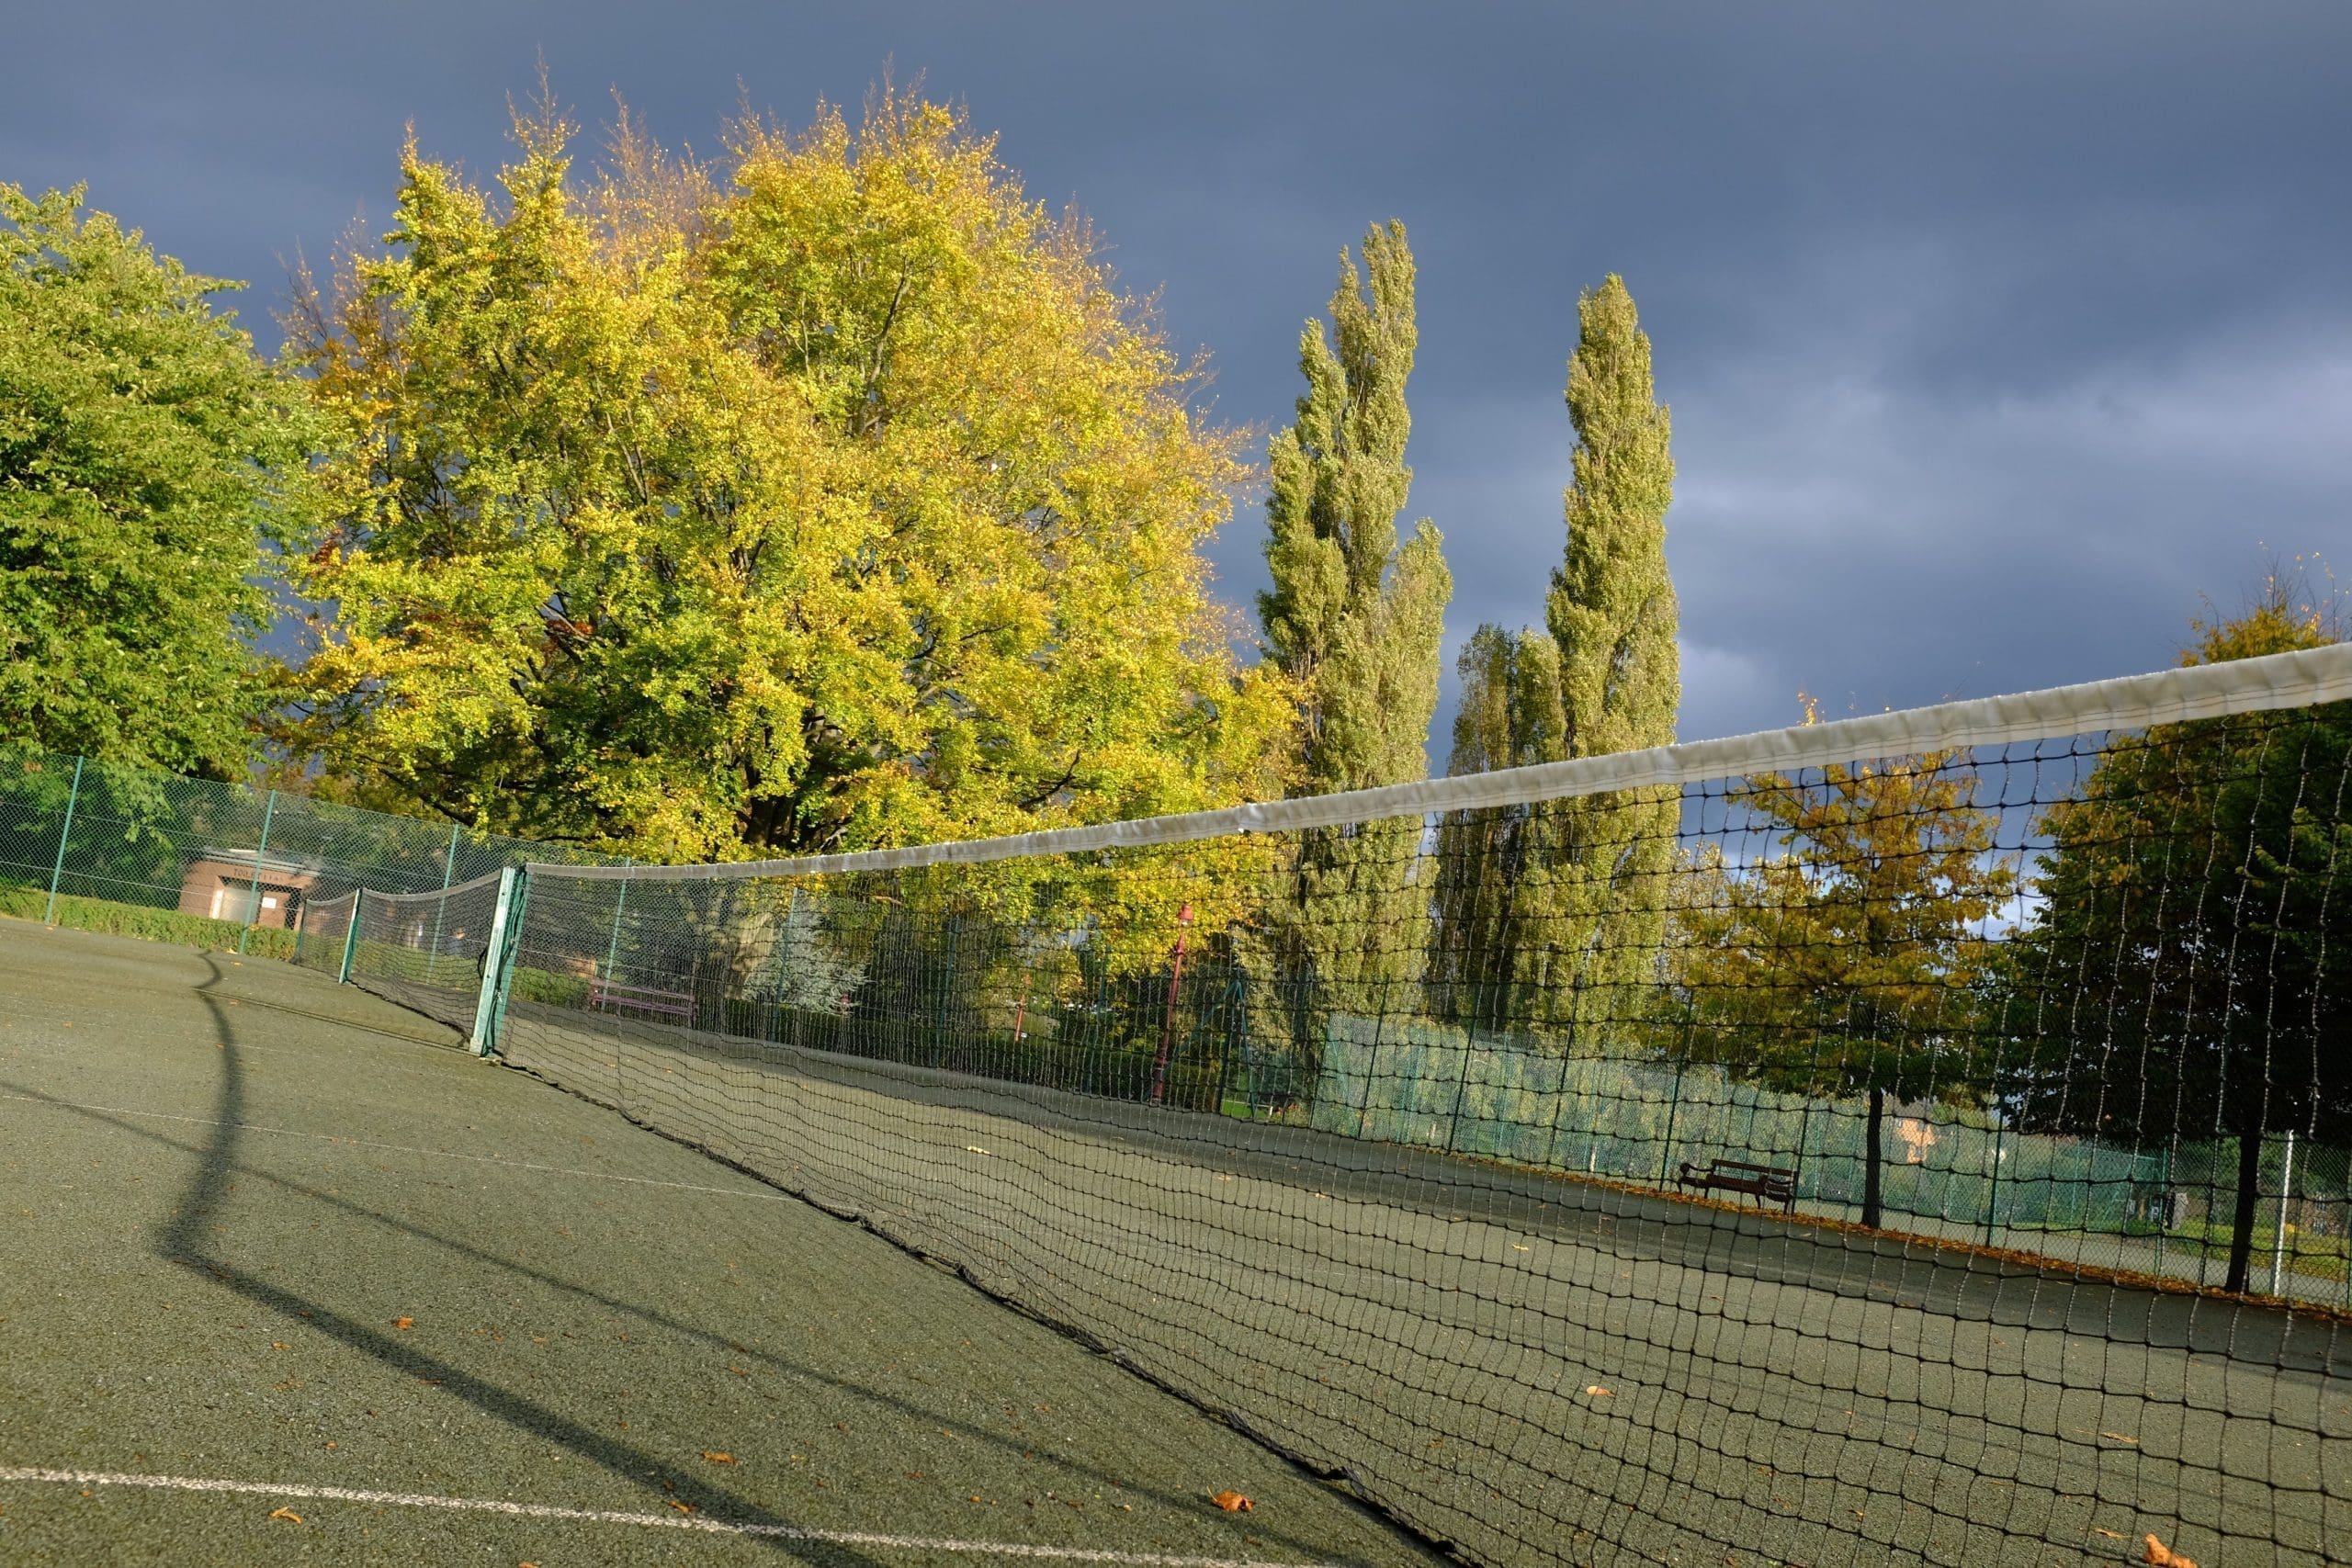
(1765, 1183)
(608, 995)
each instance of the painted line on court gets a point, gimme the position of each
(760, 1193)
(616, 1516)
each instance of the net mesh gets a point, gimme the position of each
(322, 932)
(425, 951)
(1918, 1138)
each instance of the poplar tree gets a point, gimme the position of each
(1510, 717)
(1356, 620)
(1597, 897)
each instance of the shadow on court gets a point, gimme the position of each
(275, 1219)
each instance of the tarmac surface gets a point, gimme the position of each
(286, 1276)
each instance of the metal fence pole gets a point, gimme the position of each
(1993, 1192)
(351, 937)
(2278, 1236)
(613, 949)
(253, 908)
(57, 872)
(441, 910)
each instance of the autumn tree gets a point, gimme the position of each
(1850, 963)
(2183, 980)
(150, 465)
(828, 496)
(1357, 620)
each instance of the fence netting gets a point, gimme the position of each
(1921, 1136)
(137, 852)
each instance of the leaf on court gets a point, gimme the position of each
(2163, 1556)
(716, 1457)
(1231, 1502)
(2111, 1535)
(403, 1323)
(291, 1518)
(689, 1508)
(1597, 1392)
(2121, 1438)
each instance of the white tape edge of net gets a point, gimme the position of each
(2301, 679)
(438, 895)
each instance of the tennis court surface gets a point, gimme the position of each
(1919, 1137)
(268, 1240)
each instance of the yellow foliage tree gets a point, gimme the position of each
(825, 498)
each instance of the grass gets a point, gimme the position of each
(108, 918)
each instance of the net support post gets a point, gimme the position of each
(351, 937)
(497, 961)
(57, 871)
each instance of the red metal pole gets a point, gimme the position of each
(1168, 1028)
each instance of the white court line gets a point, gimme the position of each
(760, 1193)
(614, 1517)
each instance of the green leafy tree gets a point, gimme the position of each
(828, 498)
(1357, 621)
(1510, 717)
(1852, 963)
(2184, 980)
(1590, 913)
(149, 463)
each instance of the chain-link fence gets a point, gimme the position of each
(106, 848)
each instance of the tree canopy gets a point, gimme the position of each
(2177, 983)
(828, 496)
(149, 464)
(1850, 962)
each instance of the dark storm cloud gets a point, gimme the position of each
(1994, 336)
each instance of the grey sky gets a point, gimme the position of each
(1995, 335)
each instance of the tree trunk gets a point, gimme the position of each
(1873, 1158)
(2249, 1198)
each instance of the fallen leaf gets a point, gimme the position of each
(1231, 1502)
(2163, 1556)
(716, 1457)
(1597, 1392)
(682, 1507)
(403, 1323)
(290, 1516)
(2111, 1535)
(2121, 1438)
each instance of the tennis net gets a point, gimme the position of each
(1915, 1137)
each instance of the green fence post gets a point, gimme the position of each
(613, 948)
(351, 937)
(1666, 1152)
(57, 872)
(1993, 1196)
(253, 908)
(441, 910)
(498, 960)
